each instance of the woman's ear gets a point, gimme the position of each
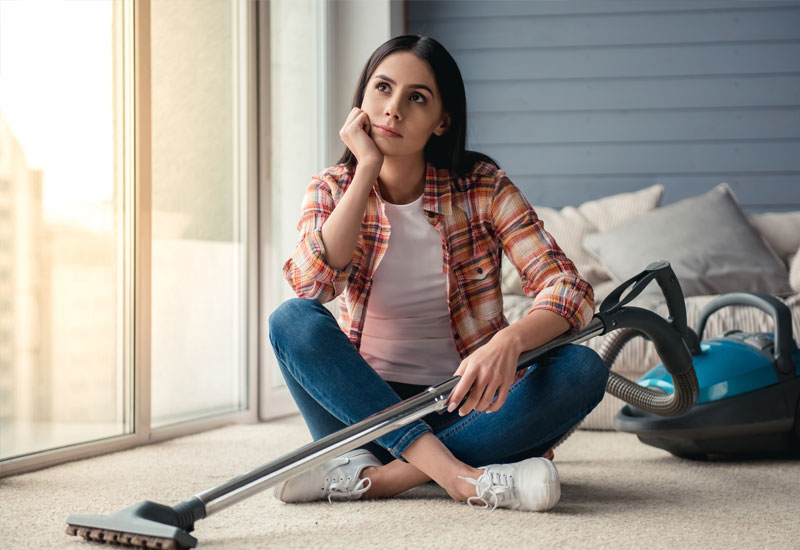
(445, 124)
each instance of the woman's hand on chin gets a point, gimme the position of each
(355, 134)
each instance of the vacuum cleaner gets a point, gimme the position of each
(153, 525)
(749, 391)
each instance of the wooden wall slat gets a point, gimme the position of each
(630, 61)
(533, 31)
(633, 158)
(444, 10)
(651, 94)
(636, 125)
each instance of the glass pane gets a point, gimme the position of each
(62, 375)
(294, 67)
(198, 191)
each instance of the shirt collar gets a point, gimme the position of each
(438, 193)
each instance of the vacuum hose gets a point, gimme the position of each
(654, 400)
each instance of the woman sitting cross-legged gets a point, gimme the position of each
(408, 230)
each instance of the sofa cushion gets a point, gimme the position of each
(711, 245)
(570, 225)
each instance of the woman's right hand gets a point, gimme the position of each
(355, 134)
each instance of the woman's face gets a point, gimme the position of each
(401, 95)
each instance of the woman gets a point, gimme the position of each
(408, 230)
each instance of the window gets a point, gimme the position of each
(199, 191)
(128, 316)
(65, 242)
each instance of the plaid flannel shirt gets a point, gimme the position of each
(478, 216)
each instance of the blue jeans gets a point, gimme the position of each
(334, 387)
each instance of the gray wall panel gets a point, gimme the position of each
(677, 60)
(614, 29)
(644, 158)
(649, 93)
(581, 99)
(486, 128)
(429, 11)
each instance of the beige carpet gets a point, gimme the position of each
(616, 493)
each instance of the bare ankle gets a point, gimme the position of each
(373, 473)
(463, 489)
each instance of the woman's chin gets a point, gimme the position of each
(386, 149)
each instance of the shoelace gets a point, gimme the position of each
(497, 488)
(338, 488)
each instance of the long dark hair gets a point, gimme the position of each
(445, 151)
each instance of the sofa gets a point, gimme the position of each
(714, 248)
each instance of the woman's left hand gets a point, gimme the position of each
(489, 371)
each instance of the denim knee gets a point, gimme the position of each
(289, 315)
(587, 371)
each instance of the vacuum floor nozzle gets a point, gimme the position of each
(144, 525)
(126, 539)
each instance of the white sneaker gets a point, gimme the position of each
(336, 478)
(530, 485)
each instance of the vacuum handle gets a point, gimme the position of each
(662, 272)
(672, 337)
(781, 318)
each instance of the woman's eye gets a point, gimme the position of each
(415, 97)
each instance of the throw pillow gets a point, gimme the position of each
(794, 272)
(570, 225)
(609, 212)
(708, 240)
(781, 230)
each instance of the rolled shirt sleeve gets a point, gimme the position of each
(548, 275)
(307, 270)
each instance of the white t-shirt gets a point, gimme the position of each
(407, 336)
